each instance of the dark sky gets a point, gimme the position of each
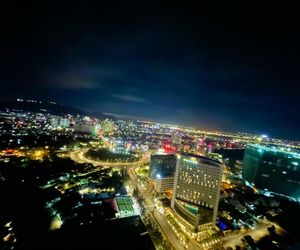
(233, 68)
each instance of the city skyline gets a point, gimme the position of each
(169, 187)
(231, 70)
(10, 104)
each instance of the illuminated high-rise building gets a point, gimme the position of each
(54, 121)
(161, 171)
(196, 191)
(59, 122)
(64, 122)
(273, 168)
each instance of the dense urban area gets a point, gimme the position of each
(71, 180)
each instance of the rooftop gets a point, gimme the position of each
(201, 158)
(124, 203)
(286, 150)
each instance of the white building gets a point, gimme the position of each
(196, 191)
(164, 184)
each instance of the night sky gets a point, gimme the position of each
(232, 68)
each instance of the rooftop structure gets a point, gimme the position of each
(125, 206)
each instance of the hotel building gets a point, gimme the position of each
(196, 191)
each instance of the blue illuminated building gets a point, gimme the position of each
(274, 169)
(161, 166)
(161, 171)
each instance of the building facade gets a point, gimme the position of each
(162, 170)
(164, 184)
(196, 191)
(275, 169)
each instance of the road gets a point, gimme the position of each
(79, 156)
(168, 231)
(258, 232)
(160, 219)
